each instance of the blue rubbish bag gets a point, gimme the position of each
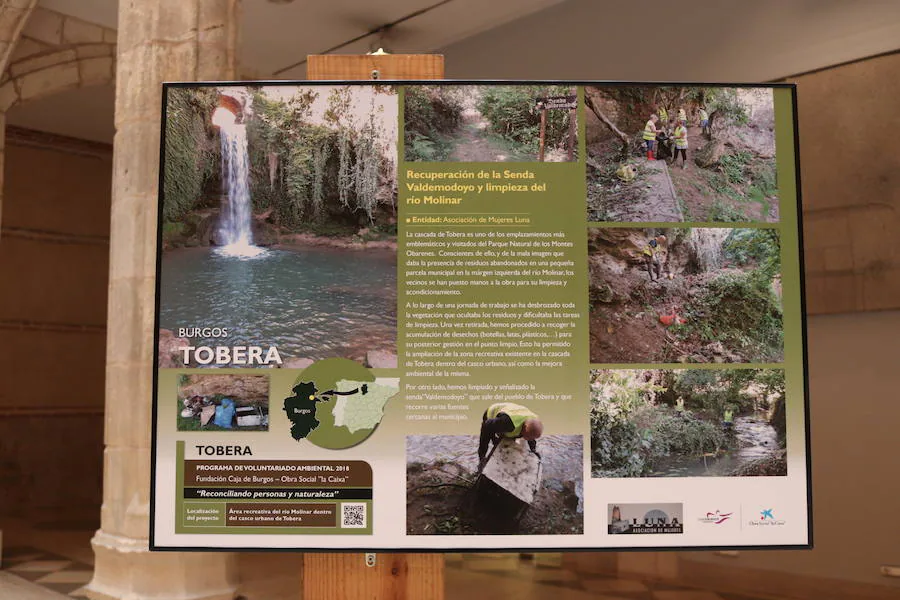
(225, 413)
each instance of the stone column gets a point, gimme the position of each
(158, 40)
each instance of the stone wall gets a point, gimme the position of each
(850, 173)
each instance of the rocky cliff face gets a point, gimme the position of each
(243, 389)
(170, 354)
(613, 252)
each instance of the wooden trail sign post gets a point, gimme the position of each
(353, 576)
(569, 103)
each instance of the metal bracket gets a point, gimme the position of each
(370, 559)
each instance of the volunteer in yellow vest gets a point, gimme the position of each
(682, 116)
(681, 144)
(650, 131)
(728, 419)
(508, 420)
(679, 406)
(651, 258)
(704, 121)
(663, 115)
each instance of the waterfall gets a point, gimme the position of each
(236, 214)
(706, 248)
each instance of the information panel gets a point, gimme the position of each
(479, 315)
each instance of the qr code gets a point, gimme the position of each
(353, 515)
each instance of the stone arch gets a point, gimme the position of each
(13, 17)
(57, 70)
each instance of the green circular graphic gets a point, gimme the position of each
(336, 404)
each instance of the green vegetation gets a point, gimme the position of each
(310, 172)
(636, 429)
(434, 126)
(511, 114)
(306, 170)
(191, 155)
(431, 115)
(731, 172)
(721, 103)
(739, 310)
(723, 212)
(759, 248)
(733, 166)
(722, 284)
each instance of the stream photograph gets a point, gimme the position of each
(279, 222)
(490, 123)
(688, 423)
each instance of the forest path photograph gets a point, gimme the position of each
(473, 142)
(470, 123)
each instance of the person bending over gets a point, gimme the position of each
(508, 420)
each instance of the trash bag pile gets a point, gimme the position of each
(627, 172)
(225, 414)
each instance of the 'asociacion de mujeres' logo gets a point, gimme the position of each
(645, 518)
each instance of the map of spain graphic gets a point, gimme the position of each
(355, 406)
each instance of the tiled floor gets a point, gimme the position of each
(43, 564)
(49, 571)
(507, 576)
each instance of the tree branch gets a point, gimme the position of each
(590, 104)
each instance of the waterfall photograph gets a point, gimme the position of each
(279, 222)
(692, 295)
(688, 423)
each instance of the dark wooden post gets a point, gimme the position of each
(543, 130)
(572, 131)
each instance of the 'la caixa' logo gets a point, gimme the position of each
(766, 517)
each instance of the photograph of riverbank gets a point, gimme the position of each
(516, 493)
(688, 423)
(279, 221)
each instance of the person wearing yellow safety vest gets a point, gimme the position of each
(704, 121)
(728, 419)
(650, 132)
(663, 115)
(679, 407)
(508, 420)
(681, 144)
(682, 116)
(651, 258)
